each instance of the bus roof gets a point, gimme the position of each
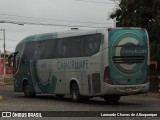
(74, 32)
(54, 35)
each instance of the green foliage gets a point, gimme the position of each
(141, 13)
(8, 80)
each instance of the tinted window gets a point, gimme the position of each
(64, 47)
(19, 49)
(92, 44)
(17, 57)
(39, 52)
(77, 47)
(51, 49)
(28, 51)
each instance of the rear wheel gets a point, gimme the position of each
(75, 93)
(26, 90)
(112, 98)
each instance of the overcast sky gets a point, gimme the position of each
(93, 13)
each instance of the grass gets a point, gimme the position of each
(8, 80)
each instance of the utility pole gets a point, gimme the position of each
(4, 58)
(4, 55)
(4, 76)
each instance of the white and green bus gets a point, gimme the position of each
(107, 63)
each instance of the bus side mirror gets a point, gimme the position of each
(11, 58)
(24, 60)
(9, 61)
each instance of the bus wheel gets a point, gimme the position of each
(26, 90)
(75, 93)
(112, 98)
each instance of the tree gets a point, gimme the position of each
(141, 13)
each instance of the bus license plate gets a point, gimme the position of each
(128, 89)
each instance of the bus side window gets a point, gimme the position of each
(64, 51)
(59, 49)
(51, 49)
(92, 44)
(64, 48)
(77, 47)
(39, 50)
(28, 51)
(16, 59)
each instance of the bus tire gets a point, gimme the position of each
(26, 90)
(112, 98)
(75, 93)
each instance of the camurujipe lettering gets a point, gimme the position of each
(134, 51)
(73, 65)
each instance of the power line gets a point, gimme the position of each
(94, 1)
(49, 24)
(11, 15)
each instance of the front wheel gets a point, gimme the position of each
(112, 98)
(75, 93)
(26, 90)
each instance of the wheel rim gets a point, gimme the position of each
(27, 90)
(75, 93)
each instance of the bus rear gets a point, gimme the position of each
(128, 59)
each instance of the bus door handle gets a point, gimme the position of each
(24, 61)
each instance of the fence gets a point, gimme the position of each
(154, 76)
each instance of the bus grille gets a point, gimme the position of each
(96, 83)
(128, 59)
